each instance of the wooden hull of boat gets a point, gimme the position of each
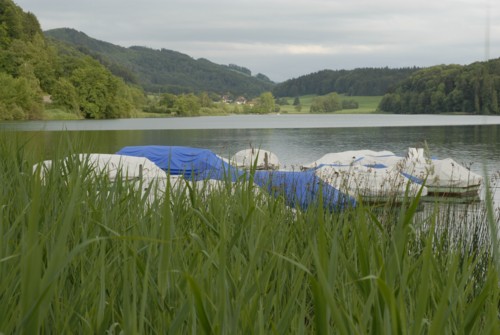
(446, 191)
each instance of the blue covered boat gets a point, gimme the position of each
(191, 163)
(300, 189)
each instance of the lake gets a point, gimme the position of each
(473, 141)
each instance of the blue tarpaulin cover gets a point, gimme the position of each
(186, 161)
(300, 189)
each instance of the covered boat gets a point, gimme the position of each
(185, 161)
(346, 158)
(302, 189)
(371, 185)
(258, 158)
(299, 189)
(115, 166)
(138, 170)
(442, 177)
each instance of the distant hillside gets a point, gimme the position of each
(362, 81)
(473, 88)
(166, 70)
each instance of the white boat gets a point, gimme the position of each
(442, 177)
(258, 158)
(346, 158)
(139, 171)
(370, 185)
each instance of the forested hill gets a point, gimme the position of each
(166, 70)
(361, 81)
(32, 68)
(472, 89)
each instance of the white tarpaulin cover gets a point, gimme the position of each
(127, 167)
(375, 184)
(439, 175)
(263, 159)
(114, 166)
(346, 158)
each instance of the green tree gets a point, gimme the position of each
(349, 104)
(187, 105)
(12, 18)
(168, 100)
(438, 100)
(326, 104)
(205, 100)
(281, 101)
(92, 89)
(454, 101)
(495, 109)
(64, 95)
(9, 110)
(31, 26)
(100, 94)
(265, 104)
(19, 98)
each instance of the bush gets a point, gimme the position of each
(350, 104)
(326, 104)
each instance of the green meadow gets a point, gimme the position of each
(367, 104)
(82, 254)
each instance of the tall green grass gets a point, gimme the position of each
(79, 254)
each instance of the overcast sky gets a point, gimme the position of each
(285, 39)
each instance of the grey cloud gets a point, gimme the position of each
(287, 38)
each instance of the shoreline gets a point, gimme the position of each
(250, 121)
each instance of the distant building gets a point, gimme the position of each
(241, 100)
(226, 99)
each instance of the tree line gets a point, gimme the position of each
(471, 89)
(362, 81)
(332, 102)
(205, 103)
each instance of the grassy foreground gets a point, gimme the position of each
(79, 254)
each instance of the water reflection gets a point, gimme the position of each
(474, 146)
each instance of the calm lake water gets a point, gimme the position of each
(296, 139)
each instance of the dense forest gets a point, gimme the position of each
(32, 68)
(166, 70)
(362, 81)
(472, 89)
